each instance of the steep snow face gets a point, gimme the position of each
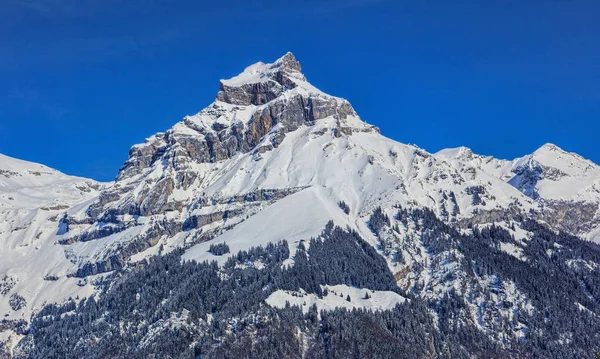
(565, 176)
(33, 199)
(363, 169)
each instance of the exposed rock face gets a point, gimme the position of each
(114, 262)
(198, 221)
(142, 156)
(571, 217)
(527, 177)
(250, 94)
(252, 112)
(278, 78)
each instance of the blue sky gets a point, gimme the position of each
(83, 80)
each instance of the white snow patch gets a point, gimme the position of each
(299, 216)
(513, 250)
(336, 298)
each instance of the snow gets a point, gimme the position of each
(258, 72)
(579, 178)
(365, 169)
(568, 176)
(261, 72)
(32, 196)
(513, 250)
(336, 298)
(299, 216)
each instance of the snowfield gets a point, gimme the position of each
(337, 298)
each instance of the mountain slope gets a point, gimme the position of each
(565, 186)
(33, 199)
(465, 238)
(269, 131)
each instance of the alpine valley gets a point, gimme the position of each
(275, 223)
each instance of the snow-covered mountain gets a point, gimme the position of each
(33, 200)
(565, 186)
(275, 158)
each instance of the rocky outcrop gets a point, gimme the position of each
(198, 221)
(526, 177)
(271, 84)
(142, 156)
(114, 262)
(96, 233)
(250, 115)
(250, 94)
(512, 213)
(570, 216)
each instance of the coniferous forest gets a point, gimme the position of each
(169, 308)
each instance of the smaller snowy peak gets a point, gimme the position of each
(466, 157)
(549, 147)
(549, 173)
(466, 161)
(563, 162)
(555, 174)
(455, 153)
(33, 199)
(9, 164)
(16, 174)
(31, 185)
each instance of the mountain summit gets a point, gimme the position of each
(470, 251)
(261, 83)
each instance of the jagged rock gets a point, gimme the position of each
(142, 156)
(114, 262)
(198, 221)
(271, 84)
(570, 216)
(526, 178)
(250, 94)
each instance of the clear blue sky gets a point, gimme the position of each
(83, 80)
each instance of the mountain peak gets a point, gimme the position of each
(549, 148)
(260, 83)
(551, 153)
(264, 79)
(253, 111)
(12, 165)
(461, 152)
(289, 62)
